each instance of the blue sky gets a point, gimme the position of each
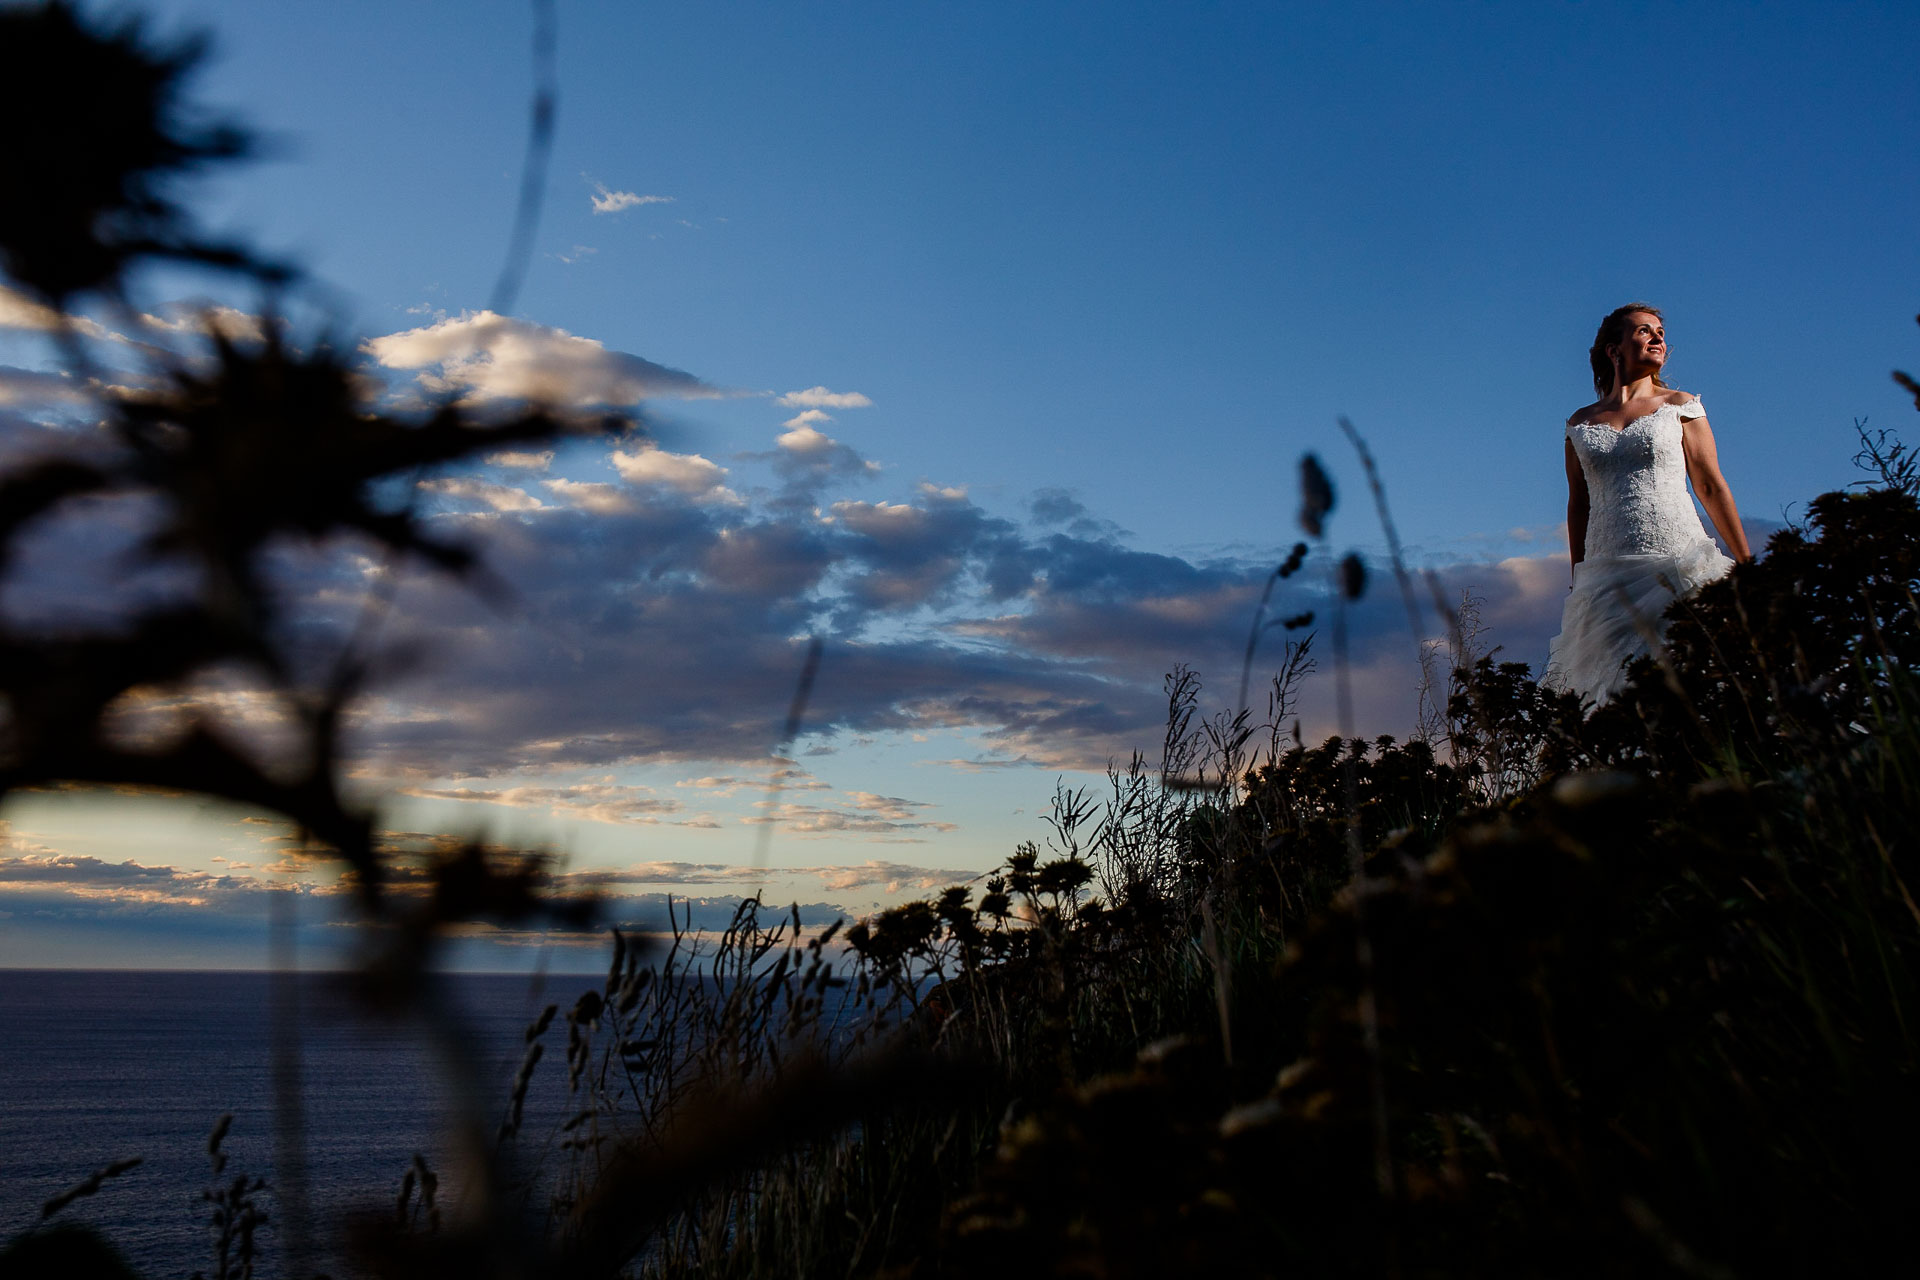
(1009, 325)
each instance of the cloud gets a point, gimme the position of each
(925, 554)
(594, 802)
(894, 876)
(606, 200)
(667, 873)
(495, 497)
(84, 911)
(765, 560)
(482, 356)
(664, 628)
(687, 473)
(96, 880)
(722, 784)
(978, 764)
(793, 778)
(864, 813)
(590, 495)
(804, 441)
(806, 458)
(18, 311)
(32, 387)
(789, 778)
(82, 565)
(1056, 506)
(206, 318)
(521, 460)
(821, 398)
(1060, 507)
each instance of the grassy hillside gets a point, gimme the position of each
(1626, 994)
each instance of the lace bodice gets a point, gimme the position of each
(1645, 548)
(1637, 484)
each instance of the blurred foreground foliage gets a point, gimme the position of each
(1535, 992)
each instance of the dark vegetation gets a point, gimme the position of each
(1531, 992)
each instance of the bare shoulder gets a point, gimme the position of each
(1584, 413)
(1675, 396)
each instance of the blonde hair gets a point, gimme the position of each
(1614, 329)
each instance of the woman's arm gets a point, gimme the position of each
(1576, 506)
(1703, 468)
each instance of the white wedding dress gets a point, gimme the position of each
(1645, 548)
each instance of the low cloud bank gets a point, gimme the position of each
(86, 912)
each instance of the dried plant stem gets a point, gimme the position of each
(533, 171)
(1396, 554)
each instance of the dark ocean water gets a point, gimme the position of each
(99, 1066)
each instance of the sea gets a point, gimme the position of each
(100, 1066)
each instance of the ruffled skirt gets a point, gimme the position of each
(1614, 605)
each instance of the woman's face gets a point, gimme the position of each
(1644, 346)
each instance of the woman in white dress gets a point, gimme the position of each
(1636, 539)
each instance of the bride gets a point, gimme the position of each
(1636, 539)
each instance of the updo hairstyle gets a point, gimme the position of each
(1614, 329)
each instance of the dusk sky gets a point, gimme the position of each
(981, 341)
